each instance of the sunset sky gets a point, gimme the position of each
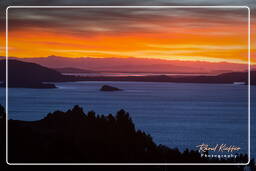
(175, 34)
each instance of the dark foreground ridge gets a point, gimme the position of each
(76, 137)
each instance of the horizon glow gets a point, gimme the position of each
(213, 35)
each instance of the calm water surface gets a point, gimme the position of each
(175, 114)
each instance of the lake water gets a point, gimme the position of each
(178, 115)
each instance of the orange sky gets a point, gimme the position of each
(183, 35)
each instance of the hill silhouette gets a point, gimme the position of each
(19, 71)
(29, 75)
(76, 137)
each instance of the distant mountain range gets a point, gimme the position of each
(30, 75)
(134, 65)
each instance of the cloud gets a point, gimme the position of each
(117, 21)
(77, 30)
(4, 4)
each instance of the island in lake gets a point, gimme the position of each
(109, 88)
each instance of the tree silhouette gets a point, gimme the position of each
(2, 133)
(74, 136)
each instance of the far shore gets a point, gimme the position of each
(228, 78)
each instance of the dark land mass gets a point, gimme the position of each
(36, 85)
(228, 78)
(76, 137)
(109, 88)
(31, 75)
(74, 70)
